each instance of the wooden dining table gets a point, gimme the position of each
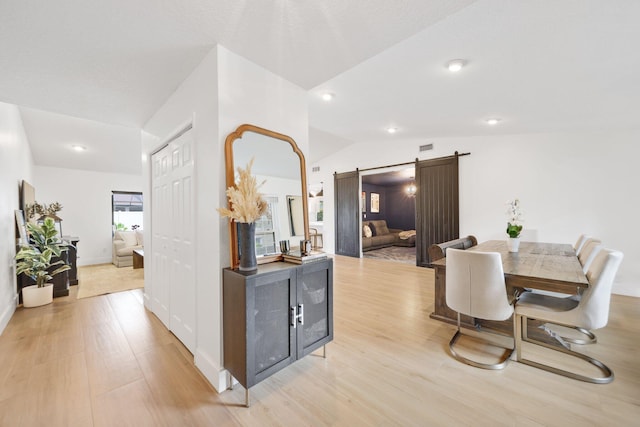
(544, 266)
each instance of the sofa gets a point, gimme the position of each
(124, 243)
(376, 235)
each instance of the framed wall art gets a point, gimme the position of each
(375, 203)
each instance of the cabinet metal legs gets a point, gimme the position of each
(247, 402)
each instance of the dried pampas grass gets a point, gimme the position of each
(247, 204)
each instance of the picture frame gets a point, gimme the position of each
(363, 202)
(23, 235)
(375, 203)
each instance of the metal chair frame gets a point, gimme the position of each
(504, 360)
(521, 335)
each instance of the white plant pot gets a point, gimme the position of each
(513, 243)
(33, 296)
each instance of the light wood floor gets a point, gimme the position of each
(106, 361)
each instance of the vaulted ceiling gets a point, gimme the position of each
(94, 72)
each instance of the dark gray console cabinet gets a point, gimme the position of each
(275, 316)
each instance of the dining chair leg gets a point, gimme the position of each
(504, 360)
(523, 336)
(517, 335)
(592, 339)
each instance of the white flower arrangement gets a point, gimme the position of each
(514, 221)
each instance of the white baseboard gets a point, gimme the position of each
(82, 261)
(216, 376)
(626, 289)
(7, 313)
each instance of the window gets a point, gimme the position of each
(126, 210)
(266, 227)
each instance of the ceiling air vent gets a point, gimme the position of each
(426, 147)
(315, 169)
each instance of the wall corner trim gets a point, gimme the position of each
(216, 375)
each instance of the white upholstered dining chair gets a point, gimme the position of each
(580, 243)
(589, 248)
(588, 253)
(590, 311)
(475, 287)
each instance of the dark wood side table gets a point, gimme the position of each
(275, 316)
(138, 258)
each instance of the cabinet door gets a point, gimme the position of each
(270, 318)
(315, 296)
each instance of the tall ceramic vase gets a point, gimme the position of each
(247, 238)
(513, 243)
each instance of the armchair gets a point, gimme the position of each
(124, 243)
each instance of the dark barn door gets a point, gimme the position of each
(347, 211)
(437, 207)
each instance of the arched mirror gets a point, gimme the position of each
(280, 164)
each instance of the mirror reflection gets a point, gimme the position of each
(316, 214)
(296, 216)
(279, 167)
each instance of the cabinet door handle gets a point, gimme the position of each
(301, 314)
(294, 316)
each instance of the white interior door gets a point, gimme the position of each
(160, 223)
(173, 239)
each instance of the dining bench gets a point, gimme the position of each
(439, 250)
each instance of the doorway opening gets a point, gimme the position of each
(436, 211)
(126, 210)
(388, 204)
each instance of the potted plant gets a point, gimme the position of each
(514, 225)
(35, 261)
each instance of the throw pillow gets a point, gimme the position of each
(374, 232)
(366, 231)
(129, 238)
(382, 229)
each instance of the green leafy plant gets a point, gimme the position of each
(36, 264)
(514, 223)
(35, 260)
(45, 236)
(514, 230)
(121, 227)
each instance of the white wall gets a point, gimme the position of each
(16, 165)
(250, 94)
(223, 92)
(568, 184)
(195, 101)
(85, 197)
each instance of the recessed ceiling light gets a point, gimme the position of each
(492, 121)
(455, 65)
(78, 148)
(391, 129)
(328, 96)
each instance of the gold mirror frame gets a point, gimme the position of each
(230, 178)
